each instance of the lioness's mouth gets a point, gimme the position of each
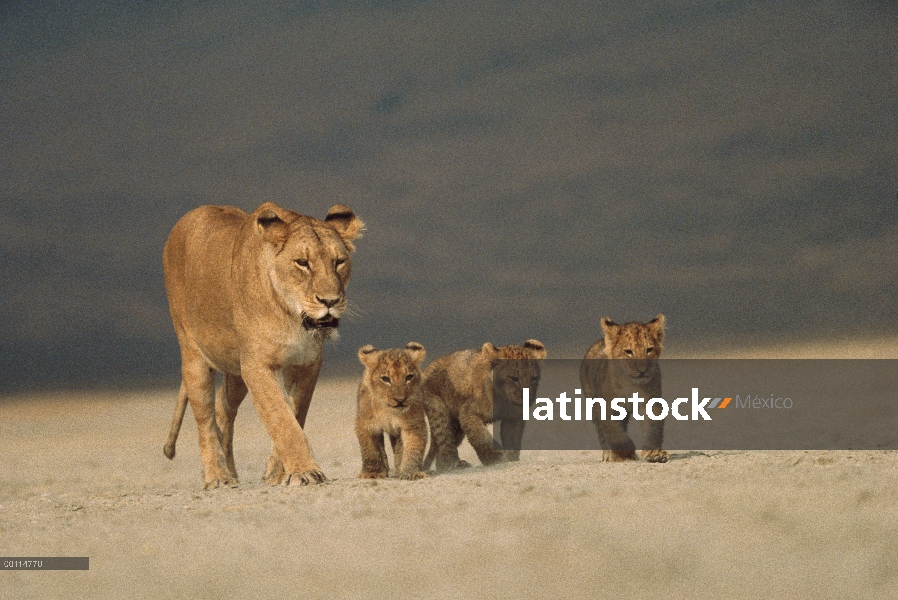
(325, 321)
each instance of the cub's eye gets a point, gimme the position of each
(650, 349)
(339, 262)
(628, 352)
(534, 379)
(409, 377)
(385, 379)
(514, 379)
(301, 262)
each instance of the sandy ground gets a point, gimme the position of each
(84, 475)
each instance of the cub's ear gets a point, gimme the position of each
(490, 352)
(611, 330)
(272, 221)
(366, 353)
(348, 226)
(416, 352)
(656, 326)
(537, 350)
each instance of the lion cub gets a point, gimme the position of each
(633, 349)
(466, 390)
(390, 402)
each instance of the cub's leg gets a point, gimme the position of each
(443, 444)
(227, 401)
(199, 382)
(653, 438)
(299, 381)
(616, 444)
(511, 433)
(396, 443)
(411, 452)
(374, 454)
(479, 437)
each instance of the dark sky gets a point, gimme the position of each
(524, 168)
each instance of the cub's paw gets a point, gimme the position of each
(462, 464)
(655, 456)
(413, 475)
(372, 475)
(614, 456)
(512, 455)
(306, 477)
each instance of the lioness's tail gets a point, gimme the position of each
(180, 407)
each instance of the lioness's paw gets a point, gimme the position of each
(613, 456)
(222, 482)
(655, 456)
(306, 477)
(274, 472)
(372, 475)
(413, 475)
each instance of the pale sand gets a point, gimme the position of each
(84, 475)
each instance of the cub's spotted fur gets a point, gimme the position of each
(466, 390)
(390, 402)
(624, 362)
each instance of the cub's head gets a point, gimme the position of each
(309, 261)
(393, 376)
(639, 344)
(515, 368)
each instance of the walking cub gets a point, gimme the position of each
(620, 364)
(466, 390)
(390, 402)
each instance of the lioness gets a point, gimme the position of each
(390, 402)
(466, 390)
(253, 296)
(624, 362)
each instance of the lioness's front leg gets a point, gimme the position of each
(230, 396)
(290, 445)
(299, 381)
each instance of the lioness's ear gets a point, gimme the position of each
(656, 326)
(416, 352)
(611, 329)
(366, 353)
(537, 350)
(348, 226)
(489, 352)
(271, 221)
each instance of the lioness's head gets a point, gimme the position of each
(515, 368)
(393, 376)
(309, 261)
(639, 344)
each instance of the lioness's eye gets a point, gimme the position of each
(385, 379)
(534, 379)
(302, 262)
(409, 377)
(514, 379)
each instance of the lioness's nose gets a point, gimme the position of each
(328, 302)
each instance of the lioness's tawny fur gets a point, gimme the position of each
(462, 393)
(621, 363)
(253, 296)
(390, 402)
